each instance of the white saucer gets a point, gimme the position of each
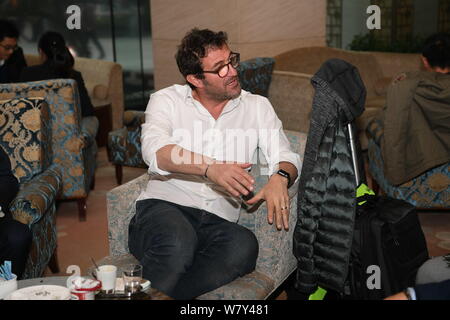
(42, 292)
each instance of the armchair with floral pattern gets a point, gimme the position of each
(25, 135)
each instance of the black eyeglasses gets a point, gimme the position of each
(8, 48)
(222, 71)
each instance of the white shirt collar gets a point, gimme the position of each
(231, 105)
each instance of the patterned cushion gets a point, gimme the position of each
(429, 190)
(25, 134)
(255, 75)
(68, 142)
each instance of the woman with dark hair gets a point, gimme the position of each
(57, 63)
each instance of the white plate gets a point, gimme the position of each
(43, 292)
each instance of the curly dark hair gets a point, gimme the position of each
(437, 50)
(194, 46)
(8, 30)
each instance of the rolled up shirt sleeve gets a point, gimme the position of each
(156, 131)
(273, 141)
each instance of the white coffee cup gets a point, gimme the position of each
(7, 287)
(107, 274)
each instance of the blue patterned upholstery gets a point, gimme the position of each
(255, 75)
(275, 260)
(68, 142)
(25, 135)
(124, 144)
(73, 139)
(429, 190)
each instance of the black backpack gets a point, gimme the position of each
(388, 248)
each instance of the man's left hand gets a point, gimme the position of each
(275, 193)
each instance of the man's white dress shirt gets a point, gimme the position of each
(173, 116)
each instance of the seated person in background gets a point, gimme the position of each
(416, 117)
(15, 237)
(432, 282)
(57, 64)
(12, 60)
(184, 231)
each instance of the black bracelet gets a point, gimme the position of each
(286, 175)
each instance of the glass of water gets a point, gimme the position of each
(132, 276)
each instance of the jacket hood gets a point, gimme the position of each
(344, 79)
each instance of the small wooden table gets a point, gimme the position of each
(103, 112)
(149, 294)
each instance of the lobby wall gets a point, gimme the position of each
(254, 27)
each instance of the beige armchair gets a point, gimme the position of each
(291, 92)
(104, 82)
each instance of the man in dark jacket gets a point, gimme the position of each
(12, 60)
(15, 237)
(416, 117)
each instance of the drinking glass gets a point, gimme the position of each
(132, 276)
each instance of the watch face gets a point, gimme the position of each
(283, 173)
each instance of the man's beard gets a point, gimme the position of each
(222, 95)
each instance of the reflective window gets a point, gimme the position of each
(404, 24)
(114, 30)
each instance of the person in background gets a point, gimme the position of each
(426, 96)
(12, 60)
(423, 133)
(15, 237)
(432, 282)
(57, 63)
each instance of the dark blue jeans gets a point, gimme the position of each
(187, 252)
(15, 242)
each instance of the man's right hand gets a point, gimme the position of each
(232, 177)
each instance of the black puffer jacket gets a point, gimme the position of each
(326, 197)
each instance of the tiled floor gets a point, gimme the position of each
(79, 242)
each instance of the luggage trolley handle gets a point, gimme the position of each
(354, 154)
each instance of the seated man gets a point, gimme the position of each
(15, 237)
(198, 140)
(12, 60)
(417, 116)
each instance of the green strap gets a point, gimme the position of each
(362, 190)
(318, 295)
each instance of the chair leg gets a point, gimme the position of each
(375, 186)
(119, 172)
(93, 182)
(53, 263)
(82, 207)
